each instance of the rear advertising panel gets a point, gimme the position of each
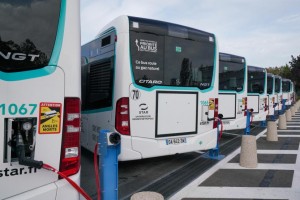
(173, 119)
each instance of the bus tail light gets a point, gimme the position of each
(245, 100)
(70, 150)
(122, 116)
(216, 112)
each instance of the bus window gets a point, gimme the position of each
(270, 84)
(231, 75)
(286, 86)
(172, 61)
(277, 85)
(256, 80)
(28, 35)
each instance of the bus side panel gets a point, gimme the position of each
(92, 124)
(176, 113)
(227, 105)
(23, 101)
(253, 103)
(271, 103)
(159, 118)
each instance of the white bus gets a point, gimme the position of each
(278, 93)
(153, 82)
(39, 74)
(287, 92)
(271, 103)
(232, 90)
(257, 92)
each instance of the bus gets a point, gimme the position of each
(153, 82)
(39, 76)
(232, 90)
(271, 103)
(278, 94)
(293, 93)
(287, 92)
(257, 92)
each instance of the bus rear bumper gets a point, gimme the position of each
(155, 147)
(234, 124)
(259, 116)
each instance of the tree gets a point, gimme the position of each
(295, 70)
(283, 71)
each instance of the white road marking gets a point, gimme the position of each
(284, 136)
(274, 166)
(244, 192)
(193, 190)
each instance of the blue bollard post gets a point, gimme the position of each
(214, 153)
(109, 149)
(263, 123)
(248, 121)
(273, 118)
(283, 107)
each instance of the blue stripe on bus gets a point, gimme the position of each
(17, 76)
(60, 35)
(97, 110)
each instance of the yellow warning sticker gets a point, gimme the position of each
(50, 118)
(211, 104)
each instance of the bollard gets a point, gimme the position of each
(288, 115)
(147, 196)
(282, 122)
(109, 150)
(272, 131)
(248, 155)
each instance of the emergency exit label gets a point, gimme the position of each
(50, 118)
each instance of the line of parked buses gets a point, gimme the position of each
(161, 86)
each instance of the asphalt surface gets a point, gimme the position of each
(277, 175)
(165, 175)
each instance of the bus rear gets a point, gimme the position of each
(39, 107)
(161, 94)
(271, 103)
(257, 92)
(287, 93)
(278, 94)
(232, 91)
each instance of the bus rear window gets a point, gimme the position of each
(286, 86)
(27, 34)
(270, 85)
(231, 75)
(277, 85)
(169, 59)
(256, 80)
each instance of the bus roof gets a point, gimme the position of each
(231, 58)
(160, 27)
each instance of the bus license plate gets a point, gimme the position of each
(175, 141)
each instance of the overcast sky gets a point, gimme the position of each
(266, 32)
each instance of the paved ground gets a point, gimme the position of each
(277, 175)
